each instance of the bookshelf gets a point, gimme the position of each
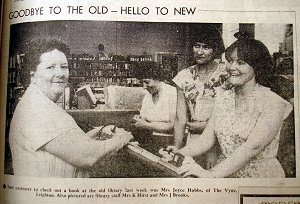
(86, 69)
(15, 87)
(118, 70)
(15, 91)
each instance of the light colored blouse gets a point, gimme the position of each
(164, 110)
(36, 121)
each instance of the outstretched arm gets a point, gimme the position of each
(163, 127)
(262, 135)
(201, 144)
(80, 150)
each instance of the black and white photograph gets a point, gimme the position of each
(125, 99)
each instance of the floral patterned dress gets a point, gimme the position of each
(200, 88)
(232, 129)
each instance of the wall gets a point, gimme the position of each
(271, 35)
(132, 38)
(120, 38)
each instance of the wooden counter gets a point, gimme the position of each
(126, 163)
(97, 117)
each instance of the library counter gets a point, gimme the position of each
(129, 162)
(87, 118)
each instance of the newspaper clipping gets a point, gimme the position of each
(139, 102)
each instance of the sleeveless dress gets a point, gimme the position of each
(233, 128)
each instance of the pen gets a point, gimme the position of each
(114, 129)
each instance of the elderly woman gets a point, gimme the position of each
(158, 110)
(45, 141)
(246, 120)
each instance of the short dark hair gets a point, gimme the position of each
(150, 70)
(209, 35)
(34, 49)
(257, 55)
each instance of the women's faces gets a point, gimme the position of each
(240, 73)
(203, 53)
(151, 85)
(52, 74)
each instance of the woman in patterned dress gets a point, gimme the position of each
(197, 84)
(246, 120)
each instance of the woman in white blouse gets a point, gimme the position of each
(158, 110)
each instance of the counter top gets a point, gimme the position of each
(102, 110)
(97, 117)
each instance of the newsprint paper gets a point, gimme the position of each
(106, 39)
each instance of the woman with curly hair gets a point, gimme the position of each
(45, 141)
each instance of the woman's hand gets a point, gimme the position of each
(140, 123)
(109, 129)
(165, 153)
(196, 126)
(102, 132)
(123, 135)
(190, 168)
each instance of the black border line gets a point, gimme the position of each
(241, 196)
(275, 11)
